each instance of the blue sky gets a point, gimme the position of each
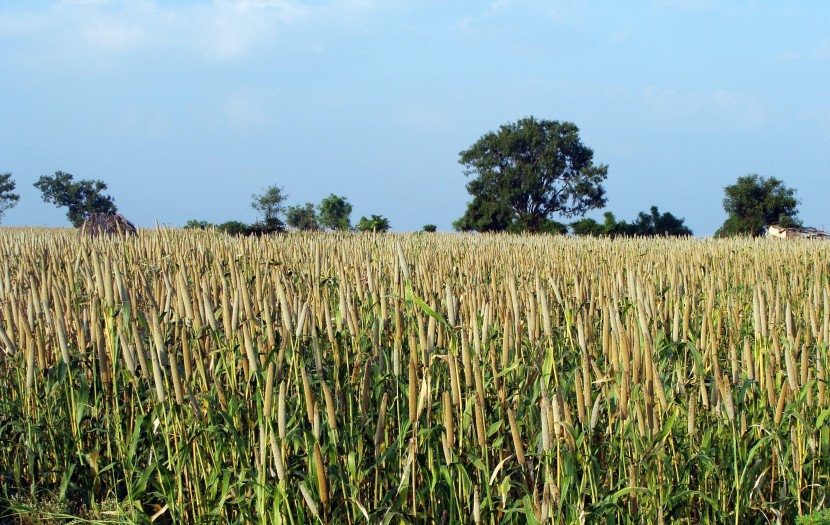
(186, 108)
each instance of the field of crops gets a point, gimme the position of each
(424, 378)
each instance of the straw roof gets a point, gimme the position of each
(107, 224)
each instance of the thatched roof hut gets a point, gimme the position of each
(107, 224)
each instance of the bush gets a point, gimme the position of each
(193, 224)
(257, 228)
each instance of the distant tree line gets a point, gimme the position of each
(648, 224)
(523, 175)
(332, 214)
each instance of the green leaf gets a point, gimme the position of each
(630, 490)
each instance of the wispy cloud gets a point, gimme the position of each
(556, 10)
(740, 109)
(221, 30)
(789, 56)
(815, 50)
(666, 102)
(743, 108)
(822, 49)
(231, 30)
(685, 5)
(109, 33)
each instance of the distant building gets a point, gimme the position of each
(780, 232)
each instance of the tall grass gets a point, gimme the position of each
(194, 377)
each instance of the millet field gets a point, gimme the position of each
(193, 377)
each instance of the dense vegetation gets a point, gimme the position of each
(193, 376)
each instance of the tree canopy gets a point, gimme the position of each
(656, 223)
(334, 213)
(302, 217)
(611, 227)
(8, 199)
(82, 198)
(754, 202)
(269, 203)
(194, 224)
(647, 224)
(526, 172)
(377, 223)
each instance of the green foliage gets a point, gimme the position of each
(302, 217)
(655, 223)
(754, 202)
(484, 215)
(269, 204)
(82, 198)
(551, 226)
(234, 228)
(526, 172)
(648, 224)
(334, 213)
(586, 226)
(821, 517)
(376, 223)
(193, 224)
(7, 199)
(430, 228)
(240, 228)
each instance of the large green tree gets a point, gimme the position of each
(527, 171)
(334, 213)
(8, 199)
(754, 202)
(81, 198)
(269, 203)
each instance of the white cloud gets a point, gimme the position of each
(220, 30)
(230, 30)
